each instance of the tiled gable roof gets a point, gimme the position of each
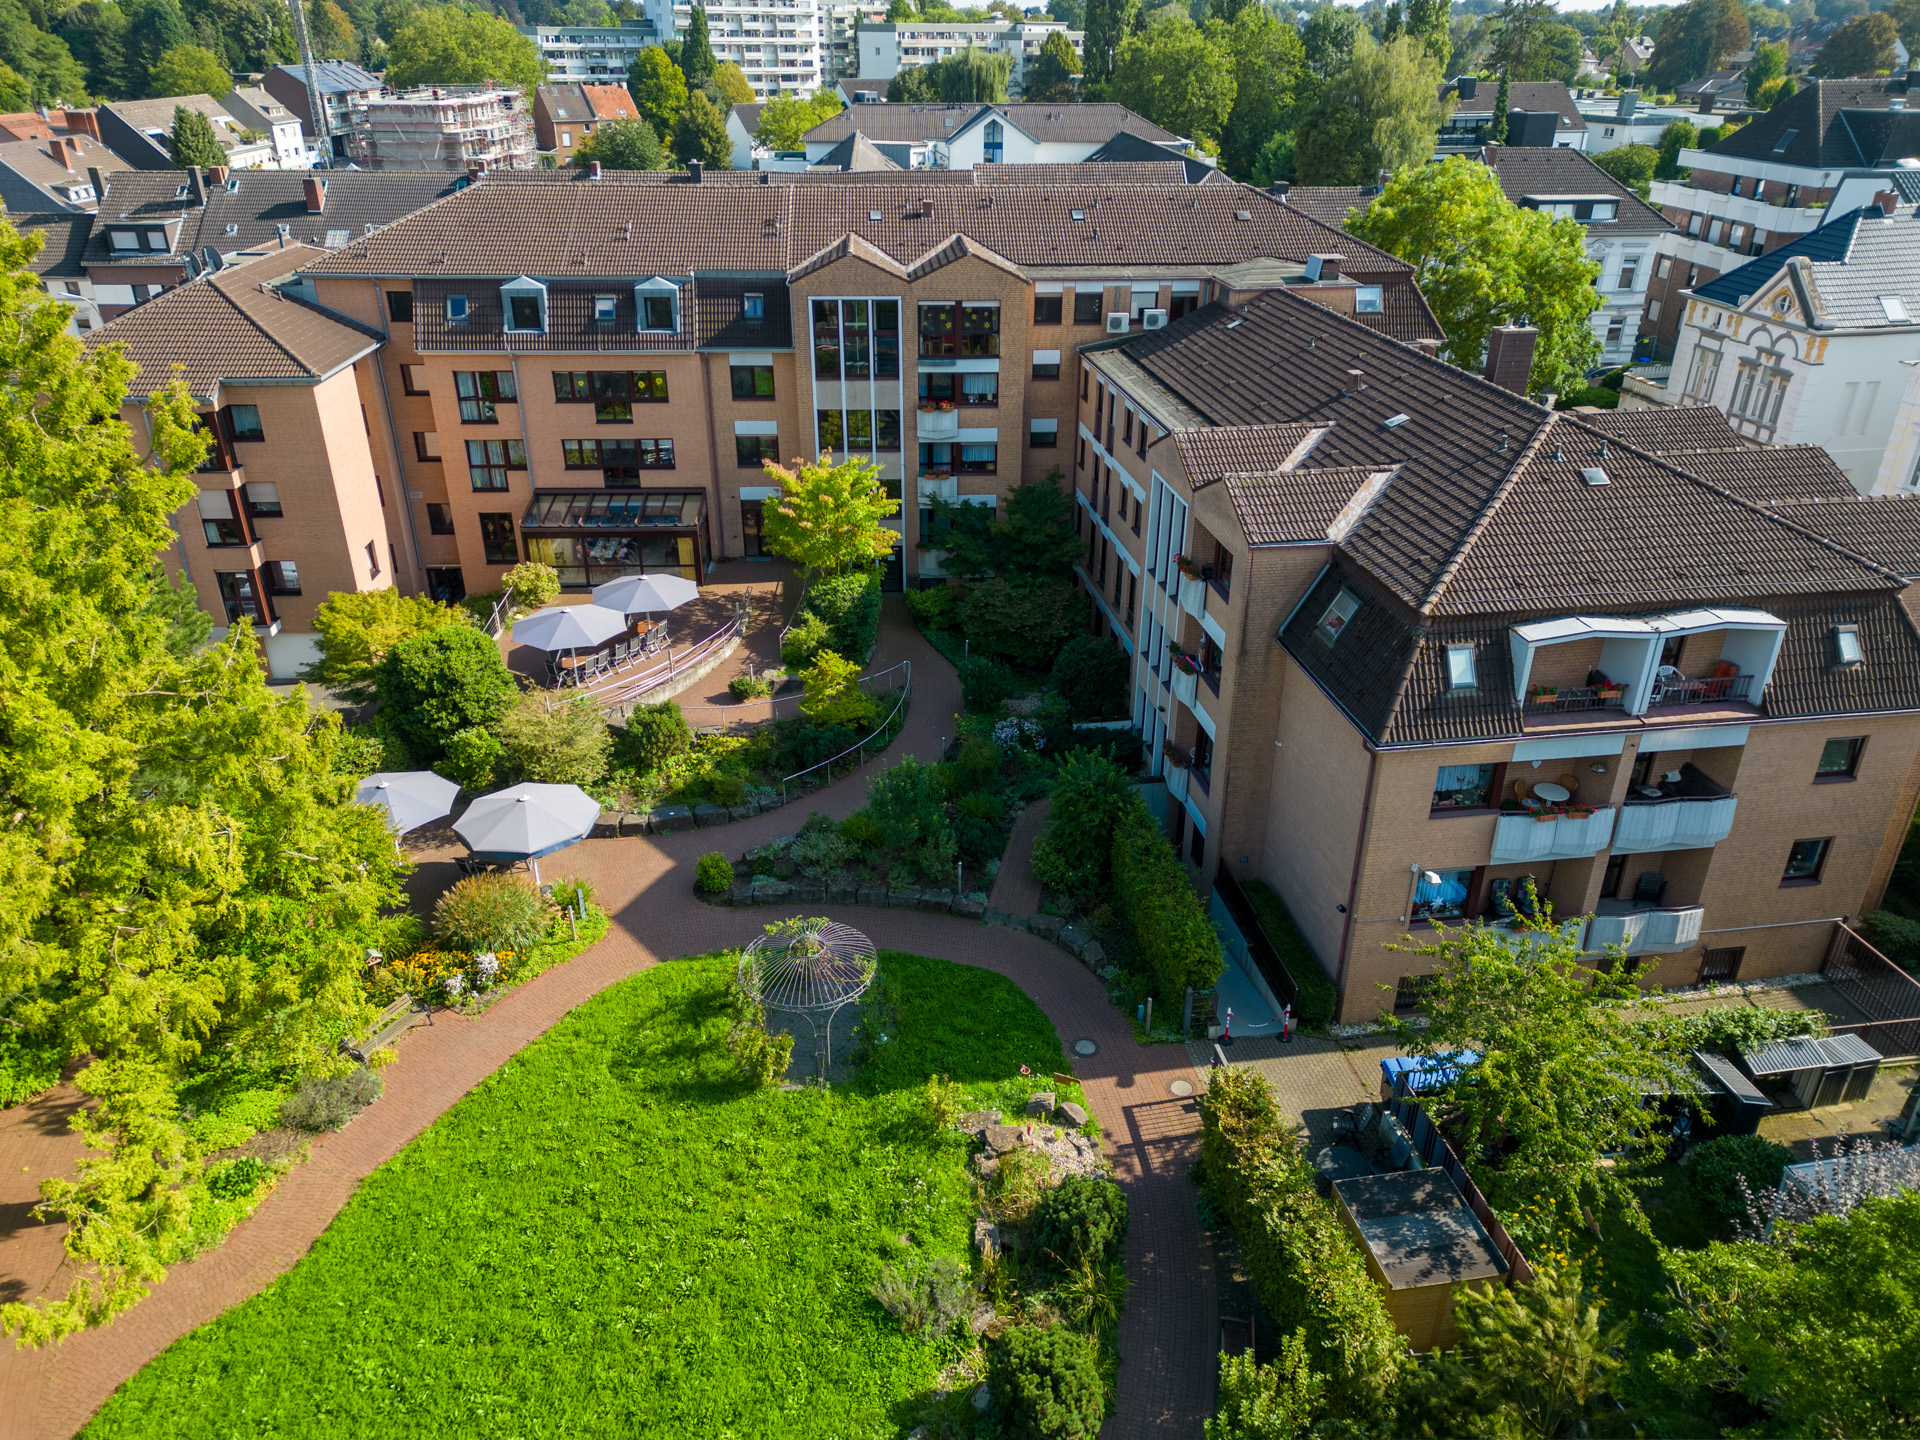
(231, 327)
(259, 202)
(1884, 528)
(1663, 430)
(1786, 472)
(1329, 204)
(1524, 95)
(1212, 453)
(1541, 170)
(856, 152)
(611, 102)
(1854, 260)
(1084, 123)
(66, 242)
(1299, 506)
(555, 225)
(1821, 136)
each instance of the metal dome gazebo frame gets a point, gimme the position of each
(810, 968)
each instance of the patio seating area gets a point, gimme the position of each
(649, 639)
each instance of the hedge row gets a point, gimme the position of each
(1314, 1007)
(1158, 908)
(850, 606)
(1307, 1267)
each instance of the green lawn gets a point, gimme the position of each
(611, 1235)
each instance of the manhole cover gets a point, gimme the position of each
(1084, 1046)
(1181, 1088)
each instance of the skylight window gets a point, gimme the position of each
(456, 309)
(1461, 674)
(604, 309)
(1787, 138)
(1077, 214)
(1895, 309)
(1594, 475)
(1336, 616)
(1369, 300)
(876, 215)
(1846, 644)
(1394, 422)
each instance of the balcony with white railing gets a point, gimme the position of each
(1690, 812)
(1638, 929)
(938, 424)
(1621, 667)
(1551, 834)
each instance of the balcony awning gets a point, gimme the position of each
(1622, 627)
(614, 509)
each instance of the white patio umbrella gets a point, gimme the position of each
(639, 594)
(569, 627)
(411, 798)
(524, 822)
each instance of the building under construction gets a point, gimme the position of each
(444, 127)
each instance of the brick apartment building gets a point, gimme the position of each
(1380, 608)
(590, 372)
(294, 500)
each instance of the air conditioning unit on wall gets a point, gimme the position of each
(1153, 319)
(1118, 322)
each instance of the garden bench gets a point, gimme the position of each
(387, 1026)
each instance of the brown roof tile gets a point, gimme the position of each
(1286, 507)
(1790, 472)
(1664, 430)
(232, 327)
(1085, 124)
(1215, 452)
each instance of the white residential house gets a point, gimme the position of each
(255, 109)
(885, 50)
(778, 44)
(591, 52)
(1817, 342)
(958, 137)
(1622, 231)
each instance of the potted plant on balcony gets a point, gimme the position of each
(1187, 566)
(936, 407)
(1543, 692)
(1186, 664)
(1609, 690)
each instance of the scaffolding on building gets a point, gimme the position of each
(445, 127)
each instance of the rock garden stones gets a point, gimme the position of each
(1074, 1113)
(671, 819)
(705, 815)
(1047, 926)
(1040, 1106)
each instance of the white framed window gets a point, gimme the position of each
(1335, 617)
(456, 309)
(1461, 671)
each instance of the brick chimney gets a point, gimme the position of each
(693, 171)
(218, 174)
(99, 182)
(84, 122)
(1510, 356)
(593, 170)
(316, 187)
(197, 181)
(57, 151)
(1888, 201)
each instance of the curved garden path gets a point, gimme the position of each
(1167, 1336)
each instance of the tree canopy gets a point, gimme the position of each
(1178, 76)
(734, 88)
(658, 88)
(828, 513)
(188, 877)
(194, 141)
(452, 45)
(358, 629)
(1482, 260)
(702, 134)
(1378, 112)
(696, 51)
(1862, 46)
(1052, 74)
(190, 70)
(785, 119)
(624, 144)
(1694, 38)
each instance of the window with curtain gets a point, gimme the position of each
(1444, 896)
(980, 389)
(979, 459)
(1462, 787)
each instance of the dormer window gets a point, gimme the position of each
(1846, 645)
(1370, 300)
(124, 239)
(1334, 619)
(456, 309)
(604, 309)
(657, 302)
(526, 305)
(157, 240)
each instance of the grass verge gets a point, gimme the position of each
(614, 1235)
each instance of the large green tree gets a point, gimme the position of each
(1694, 38)
(1769, 63)
(624, 144)
(696, 50)
(186, 874)
(702, 134)
(1563, 1073)
(194, 141)
(1482, 260)
(1378, 112)
(1108, 23)
(1328, 37)
(1178, 76)
(1270, 80)
(828, 513)
(658, 89)
(1862, 46)
(190, 70)
(1052, 73)
(450, 45)
(974, 76)
(358, 629)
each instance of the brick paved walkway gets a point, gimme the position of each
(1167, 1336)
(1016, 889)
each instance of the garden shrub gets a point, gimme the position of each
(27, 1065)
(905, 803)
(491, 912)
(1716, 1169)
(1307, 1268)
(653, 735)
(760, 1055)
(933, 607)
(712, 874)
(1894, 936)
(239, 1179)
(435, 685)
(985, 683)
(862, 830)
(1267, 1402)
(928, 1299)
(1084, 1217)
(822, 854)
(850, 606)
(1075, 852)
(727, 789)
(749, 687)
(471, 758)
(944, 1101)
(1727, 1029)
(1091, 675)
(327, 1104)
(555, 740)
(804, 745)
(570, 892)
(356, 630)
(1317, 1001)
(1045, 1384)
(1027, 622)
(1158, 908)
(808, 634)
(834, 696)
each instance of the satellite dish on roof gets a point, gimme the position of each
(214, 258)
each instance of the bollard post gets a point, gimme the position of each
(1149, 1017)
(1186, 1015)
